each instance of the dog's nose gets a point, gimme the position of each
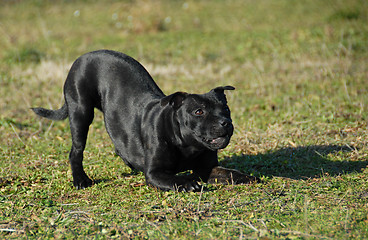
(225, 122)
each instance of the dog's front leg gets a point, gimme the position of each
(169, 181)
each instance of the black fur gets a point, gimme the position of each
(153, 133)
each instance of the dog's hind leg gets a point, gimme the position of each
(80, 117)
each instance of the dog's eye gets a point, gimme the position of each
(199, 112)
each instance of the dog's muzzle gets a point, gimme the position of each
(220, 136)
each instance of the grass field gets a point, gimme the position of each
(300, 112)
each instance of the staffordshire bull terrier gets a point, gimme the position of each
(153, 133)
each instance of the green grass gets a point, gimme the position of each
(300, 111)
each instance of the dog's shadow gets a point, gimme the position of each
(291, 162)
(298, 162)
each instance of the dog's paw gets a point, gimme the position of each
(82, 183)
(192, 186)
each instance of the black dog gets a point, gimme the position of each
(153, 133)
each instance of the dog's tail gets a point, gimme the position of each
(59, 114)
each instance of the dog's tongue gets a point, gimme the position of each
(215, 140)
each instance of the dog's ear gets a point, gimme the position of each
(219, 92)
(222, 89)
(175, 100)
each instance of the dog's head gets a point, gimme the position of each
(204, 119)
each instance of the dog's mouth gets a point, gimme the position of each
(217, 142)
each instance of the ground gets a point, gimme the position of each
(300, 111)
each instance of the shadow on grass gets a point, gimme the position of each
(298, 162)
(108, 180)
